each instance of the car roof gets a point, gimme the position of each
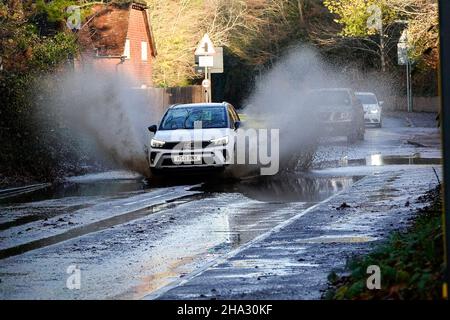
(199, 105)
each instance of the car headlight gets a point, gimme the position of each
(374, 110)
(157, 143)
(219, 141)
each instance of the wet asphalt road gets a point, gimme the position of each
(130, 239)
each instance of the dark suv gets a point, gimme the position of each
(339, 112)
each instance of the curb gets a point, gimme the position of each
(12, 192)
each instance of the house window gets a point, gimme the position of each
(126, 51)
(144, 51)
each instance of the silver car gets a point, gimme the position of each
(372, 108)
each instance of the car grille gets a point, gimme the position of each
(166, 162)
(331, 116)
(186, 145)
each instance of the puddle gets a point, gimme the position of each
(286, 187)
(380, 160)
(94, 227)
(80, 189)
(337, 239)
(416, 159)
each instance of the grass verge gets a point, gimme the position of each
(411, 262)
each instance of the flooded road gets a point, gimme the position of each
(129, 237)
(140, 233)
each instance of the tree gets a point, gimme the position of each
(356, 20)
(255, 31)
(363, 19)
(423, 30)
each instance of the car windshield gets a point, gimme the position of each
(329, 98)
(367, 98)
(185, 117)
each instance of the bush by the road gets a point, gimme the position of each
(411, 262)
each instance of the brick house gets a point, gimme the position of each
(118, 38)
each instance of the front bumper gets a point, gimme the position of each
(211, 157)
(372, 118)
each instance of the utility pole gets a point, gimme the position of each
(375, 21)
(444, 88)
(403, 58)
(410, 95)
(207, 85)
(382, 47)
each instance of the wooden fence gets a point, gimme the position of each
(420, 104)
(161, 98)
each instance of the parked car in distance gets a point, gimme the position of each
(339, 112)
(178, 144)
(372, 108)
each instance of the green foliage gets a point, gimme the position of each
(411, 263)
(54, 11)
(421, 17)
(355, 15)
(29, 148)
(51, 52)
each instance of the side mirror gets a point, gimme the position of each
(153, 128)
(380, 103)
(237, 125)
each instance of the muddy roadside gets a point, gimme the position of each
(411, 263)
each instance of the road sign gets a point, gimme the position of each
(205, 47)
(205, 61)
(402, 53)
(217, 62)
(402, 49)
(206, 83)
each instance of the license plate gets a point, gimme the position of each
(187, 158)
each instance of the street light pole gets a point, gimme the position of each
(382, 57)
(444, 88)
(403, 58)
(409, 84)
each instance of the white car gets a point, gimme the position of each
(194, 137)
(372, 108)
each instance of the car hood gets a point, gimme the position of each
(191, 134)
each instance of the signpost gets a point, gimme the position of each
(217, 62)
(403, 59)
(208, 60)
(205, 51)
